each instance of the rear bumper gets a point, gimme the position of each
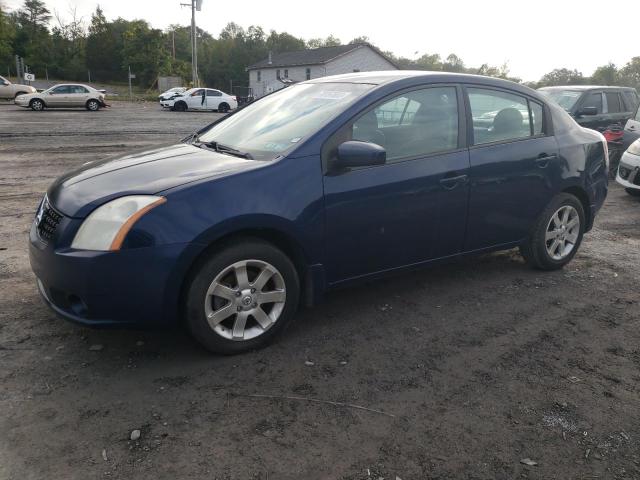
(130, 288)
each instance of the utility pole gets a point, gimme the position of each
(196, 5)
(130, 91)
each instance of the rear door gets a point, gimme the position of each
(414, 207)
(615, 108)
(213, 99)
(513, 164)
(77, 96)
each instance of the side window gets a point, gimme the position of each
(498, 116)
(77, 89)
(594, 99)
(60, 90)
(197, 93)
(613, 102)
(629, 101)
(415, 123)
(214, 93)
(537, 116)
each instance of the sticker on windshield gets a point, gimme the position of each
(330, 95)
(296, 139)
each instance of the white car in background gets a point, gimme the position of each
(629, 170)
(172, 92)
(201, 99)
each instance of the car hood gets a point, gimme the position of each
(77, 193)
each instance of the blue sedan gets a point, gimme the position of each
(314, 187)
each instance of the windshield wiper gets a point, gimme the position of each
(221, 148)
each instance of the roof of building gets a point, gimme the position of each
(313, 56)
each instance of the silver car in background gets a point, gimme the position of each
(67, 95)
(629, 170)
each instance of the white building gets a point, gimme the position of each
(274, 72)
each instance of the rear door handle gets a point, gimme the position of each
(544, 159)
(449, 183)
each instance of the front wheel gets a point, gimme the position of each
(242, 297)
(93, 105)
(37, 105)
(634, 192)
(180, 107)
(556, 235)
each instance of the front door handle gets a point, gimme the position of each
(449, 183)
(544, 159)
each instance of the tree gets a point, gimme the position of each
(360, 39)
(330, 41)
(605, 75)
(630, 74)
(7, 33)
(562, 76)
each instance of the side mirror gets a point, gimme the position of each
(588, 111)
(5, 83)
(360, 154)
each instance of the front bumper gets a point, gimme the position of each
(628, 174)
(130, 288)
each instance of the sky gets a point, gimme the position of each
(532, 40)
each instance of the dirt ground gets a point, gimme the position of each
(475, 366)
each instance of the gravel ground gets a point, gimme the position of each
(466, 369)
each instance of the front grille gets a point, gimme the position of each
(47, 220)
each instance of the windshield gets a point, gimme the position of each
(565, 98)
(281, 120)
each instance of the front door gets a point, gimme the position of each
(57, 97)
(599, 121)
(197, 100)
(411, 209)
(513, 164)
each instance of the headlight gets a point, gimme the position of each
(634, 148)
(107, 226)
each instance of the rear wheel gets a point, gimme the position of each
(93, 105)
(223, 108)
(634, 192)
(180, 107)
(36, 105)
(242, 297)
(556, 235)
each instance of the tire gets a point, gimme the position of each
(548, 235)
(180, 107)
(633, 191)
(93, 105)
(223, 108)
(215, 292)
(36, 105)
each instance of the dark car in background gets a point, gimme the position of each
(595, 107)
(322, 184)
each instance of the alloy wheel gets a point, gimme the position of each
(245, 299)
(37, 105)
(563, 232)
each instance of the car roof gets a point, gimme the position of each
(586, 87)
(71, 85)
(417, 77)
